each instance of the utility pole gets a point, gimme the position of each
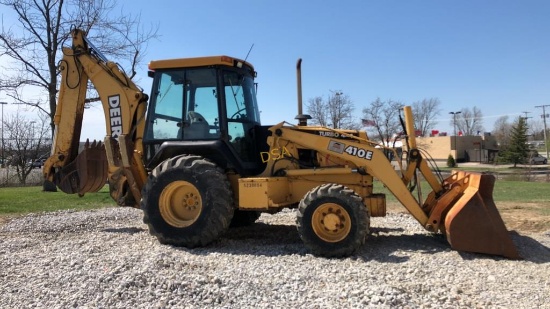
(544, 116)
(454, 125)
(336, 121)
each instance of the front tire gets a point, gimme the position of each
(187, 201)
(332, 221)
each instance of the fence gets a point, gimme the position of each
(8, 177)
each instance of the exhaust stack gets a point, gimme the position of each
(302, 118)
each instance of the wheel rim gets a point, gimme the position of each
(180, 204)
(331, 222)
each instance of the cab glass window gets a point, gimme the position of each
(184, 105)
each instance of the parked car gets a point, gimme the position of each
(38, 163)
(537, 159)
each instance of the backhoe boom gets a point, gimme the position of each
(124, 105)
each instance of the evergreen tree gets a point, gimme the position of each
(451, 161)
(518, 149)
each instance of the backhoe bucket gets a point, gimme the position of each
(91, 165)
(474, 224)
(87, 173)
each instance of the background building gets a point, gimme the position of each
(463, 148)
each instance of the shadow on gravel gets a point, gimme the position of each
(258, 239)
(265, 233)
(529, 249)
(279, 240)
(395, 248)
(125, 230)
(383, 244)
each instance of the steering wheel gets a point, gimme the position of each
(238, 113)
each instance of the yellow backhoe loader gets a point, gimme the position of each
(195, 158)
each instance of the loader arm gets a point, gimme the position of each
(360, 154)
(118, 160)
(460, 206)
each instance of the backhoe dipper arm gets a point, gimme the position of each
(124, 105)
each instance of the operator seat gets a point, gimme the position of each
(198, 127)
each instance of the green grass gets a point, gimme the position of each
(504, 191)
(22, 200)
(521, 191)
(495, 168)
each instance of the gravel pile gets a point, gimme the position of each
(107, 259)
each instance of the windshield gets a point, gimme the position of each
(184, 105)
(240, 96)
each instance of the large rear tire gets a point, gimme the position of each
(332, 221)
(187, 201)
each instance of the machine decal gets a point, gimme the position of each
(252, 185)
(274, 154)
(332, 134)
(336, 146)
(114, 115)
(359, 152)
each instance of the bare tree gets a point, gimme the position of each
(33, 44)
(469, 122)
(316, 108)
(384, 115)
(501, 131)
(25, 142)
(335, 112)
(425, 113)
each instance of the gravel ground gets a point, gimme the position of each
(107, 259)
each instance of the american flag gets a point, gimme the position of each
(368, 123)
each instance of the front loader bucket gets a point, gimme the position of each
(87, 173)
(474, 224)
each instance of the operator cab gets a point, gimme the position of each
(205, 106)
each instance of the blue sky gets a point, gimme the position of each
(491, 54)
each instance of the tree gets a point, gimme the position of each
(25, 142)
(384, 115)
(501, 132)
(34, 43)
(451, 161)
(536, 129)
(316, 108)
(335, 112)
(425, 113)
(469, 122)
(518, 149)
